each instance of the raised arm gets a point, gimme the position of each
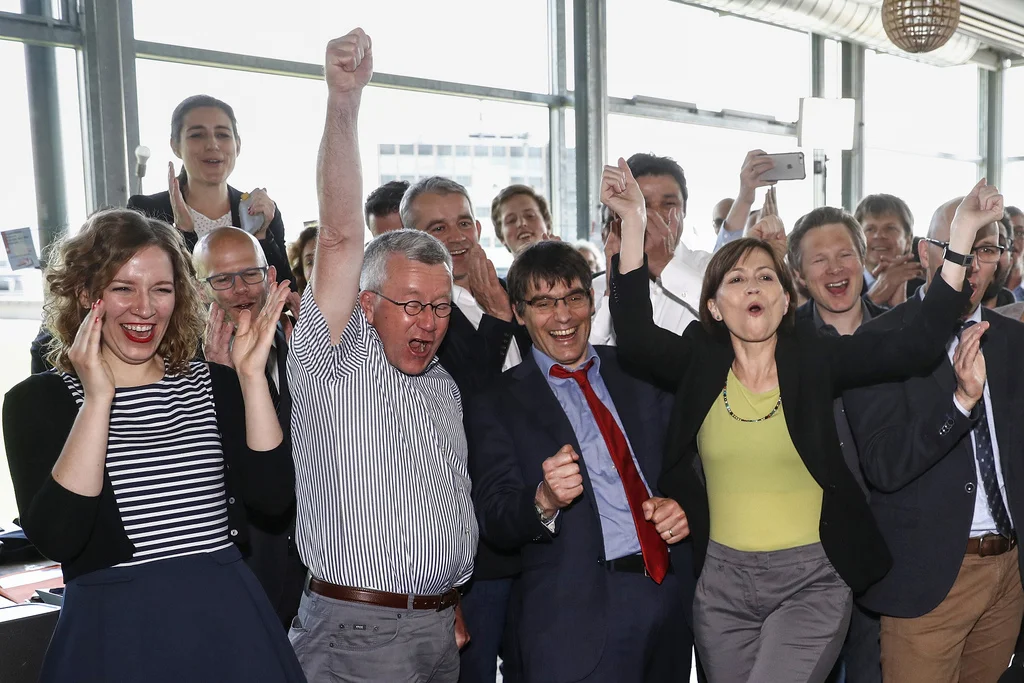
(900, 438)
(348, 66)
(58, 470)
(661, 354)
(869, 358)
(754, 165)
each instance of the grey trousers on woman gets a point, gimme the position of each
(772, 617)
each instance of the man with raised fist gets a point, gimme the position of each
(566, 451)
(384, 520)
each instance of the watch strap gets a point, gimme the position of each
(964, 260)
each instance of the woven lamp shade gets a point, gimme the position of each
(920, 25)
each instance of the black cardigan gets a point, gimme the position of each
(85, 533)
(812, 371)
(159, 206)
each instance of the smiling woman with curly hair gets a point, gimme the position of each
(131, 462)
(84, 265)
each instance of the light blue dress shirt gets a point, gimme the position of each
(617, 526)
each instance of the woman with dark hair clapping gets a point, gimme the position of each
(132, 466)
(781, 530)
(204, 135)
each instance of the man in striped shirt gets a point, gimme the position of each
(385, 522)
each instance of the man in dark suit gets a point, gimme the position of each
(480, 343)
(234, 276)
(941, 454)
(565, 451)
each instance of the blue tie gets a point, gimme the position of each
(987, 465)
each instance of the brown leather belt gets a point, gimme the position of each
(991, 544)
(382, 598)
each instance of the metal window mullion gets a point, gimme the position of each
(556, 113)
(100, 75)
(853, 159)
(591, 107)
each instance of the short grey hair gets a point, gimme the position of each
(432, 185)
(412, 244)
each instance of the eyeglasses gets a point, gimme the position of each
(250, 276)
(574, 300)
(988, 253)
(414, 308)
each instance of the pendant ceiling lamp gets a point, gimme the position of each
(920, 25)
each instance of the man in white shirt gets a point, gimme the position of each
(678, 271)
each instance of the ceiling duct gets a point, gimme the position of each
(858, 22)
(999, 23)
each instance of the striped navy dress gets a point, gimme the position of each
(166, 465)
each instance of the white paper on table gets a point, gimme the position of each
(21, 250)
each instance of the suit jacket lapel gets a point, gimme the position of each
(625, 399)
(284, 405)
(531, 390)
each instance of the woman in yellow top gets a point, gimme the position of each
(781, 531)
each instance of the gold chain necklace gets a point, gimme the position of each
(725, 398)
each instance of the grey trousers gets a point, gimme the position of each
(774, 617)
(349, 642)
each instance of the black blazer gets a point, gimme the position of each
(512, 429)
(159, 206)
(86, 533)
(916, 453)
(474, 358)
(812, 370)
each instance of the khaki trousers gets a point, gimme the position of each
(969, 637)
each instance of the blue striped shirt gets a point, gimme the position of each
(380, 464)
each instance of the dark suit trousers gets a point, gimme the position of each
(485, 609)
(647, 638)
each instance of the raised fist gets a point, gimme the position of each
(348, 63)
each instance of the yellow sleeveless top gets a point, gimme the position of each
(760, 494)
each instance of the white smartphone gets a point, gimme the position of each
(788, 166)
(252, 224)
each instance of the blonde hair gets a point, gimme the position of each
(86, 263)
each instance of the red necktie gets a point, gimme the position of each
(653, 547)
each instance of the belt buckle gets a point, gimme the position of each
(988, 541)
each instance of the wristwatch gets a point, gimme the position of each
(540, 513)
(959, 259)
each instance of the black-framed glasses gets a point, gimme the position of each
(250, 276)
(574, 300)
(414, 308)
(987, 253)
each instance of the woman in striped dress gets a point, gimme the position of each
(130, 463)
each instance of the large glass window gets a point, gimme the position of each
(914, 112)
(665, 49)
(1013, 137)
(404, 135)
(915, 107)
(21, 290)
(485, 42)
(711, 159)
(923, 182)
(1013, 184)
